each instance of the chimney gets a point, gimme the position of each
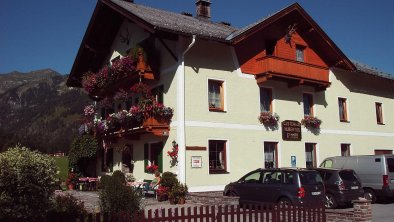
(203, 8)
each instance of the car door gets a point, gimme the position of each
(249, 186)
(269, 190)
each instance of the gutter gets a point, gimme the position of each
(181, 135)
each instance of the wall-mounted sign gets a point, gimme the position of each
(196, 161)
(291, 130)
(293, 161)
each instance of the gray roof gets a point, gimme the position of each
(176, 22)
(371, 71)
(203, 28)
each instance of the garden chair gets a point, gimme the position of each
(149, 190)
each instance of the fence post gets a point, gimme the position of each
(362, 210)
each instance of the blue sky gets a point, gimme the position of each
(38, 34)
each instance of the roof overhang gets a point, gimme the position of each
(325, 46)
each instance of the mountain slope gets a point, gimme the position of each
(39, 110)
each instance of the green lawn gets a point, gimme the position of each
(62, 165)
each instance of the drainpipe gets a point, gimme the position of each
(181, 135)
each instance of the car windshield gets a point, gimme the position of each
(310, 177)
(347, 175)
(390, 164)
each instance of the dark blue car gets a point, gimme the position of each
(279, 185)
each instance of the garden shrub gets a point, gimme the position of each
(168, 179)
(27, 180)
(115, 196)
(69, 205)
(82, 149)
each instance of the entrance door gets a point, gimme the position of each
(270, 155)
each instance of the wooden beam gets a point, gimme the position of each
(294, 83)
(194, 148)
(168, 49)
(263, 78)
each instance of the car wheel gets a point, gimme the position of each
(284, 202)
(370, 195)
(330, 201)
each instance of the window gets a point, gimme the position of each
(345, 149)
(381, 152)
(379, 113)
(215, 95)
(300, 53)
(217, 156)
(128, 159)
(153, 155)
(106, 111)
(310, 154)
(107, 161)
(253, 177)
(158, 94)
(308, 104)
(342, 109)
(270, 47)
(265, 100)
(270, 155)
(326, 164)
(390, 164)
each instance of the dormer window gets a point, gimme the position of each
(300, 56)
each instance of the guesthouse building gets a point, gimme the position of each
(211, 102)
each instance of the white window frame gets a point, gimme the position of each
(228, 163)
(224, 92)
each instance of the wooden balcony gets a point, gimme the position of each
(294, 72)
(134, 131)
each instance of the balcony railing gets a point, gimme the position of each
(286, 68)
(155, 126)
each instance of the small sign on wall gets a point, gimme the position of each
(196, 161)
(293, 161)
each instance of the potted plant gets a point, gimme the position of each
(269, 118)
(72, 180)
(311, 122)
(178, 193)
(162, 193)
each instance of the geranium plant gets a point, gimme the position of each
(152, 168)
(311, 122)
(173, 153)
(109, 74)
(162, 193)
(269, 118)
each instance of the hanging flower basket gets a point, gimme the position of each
(311, 122)
(173, 153)
(269, 118)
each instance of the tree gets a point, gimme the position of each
(27, 181)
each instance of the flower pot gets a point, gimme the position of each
(70, 186)
(181, 200)
(173, 201)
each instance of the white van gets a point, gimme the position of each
(376, 172)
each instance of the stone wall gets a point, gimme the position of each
(212, 198)
(361, 212)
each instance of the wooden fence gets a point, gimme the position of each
(250, 213)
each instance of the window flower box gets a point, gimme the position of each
(311, 122)
(269, 119)
(152, 168)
